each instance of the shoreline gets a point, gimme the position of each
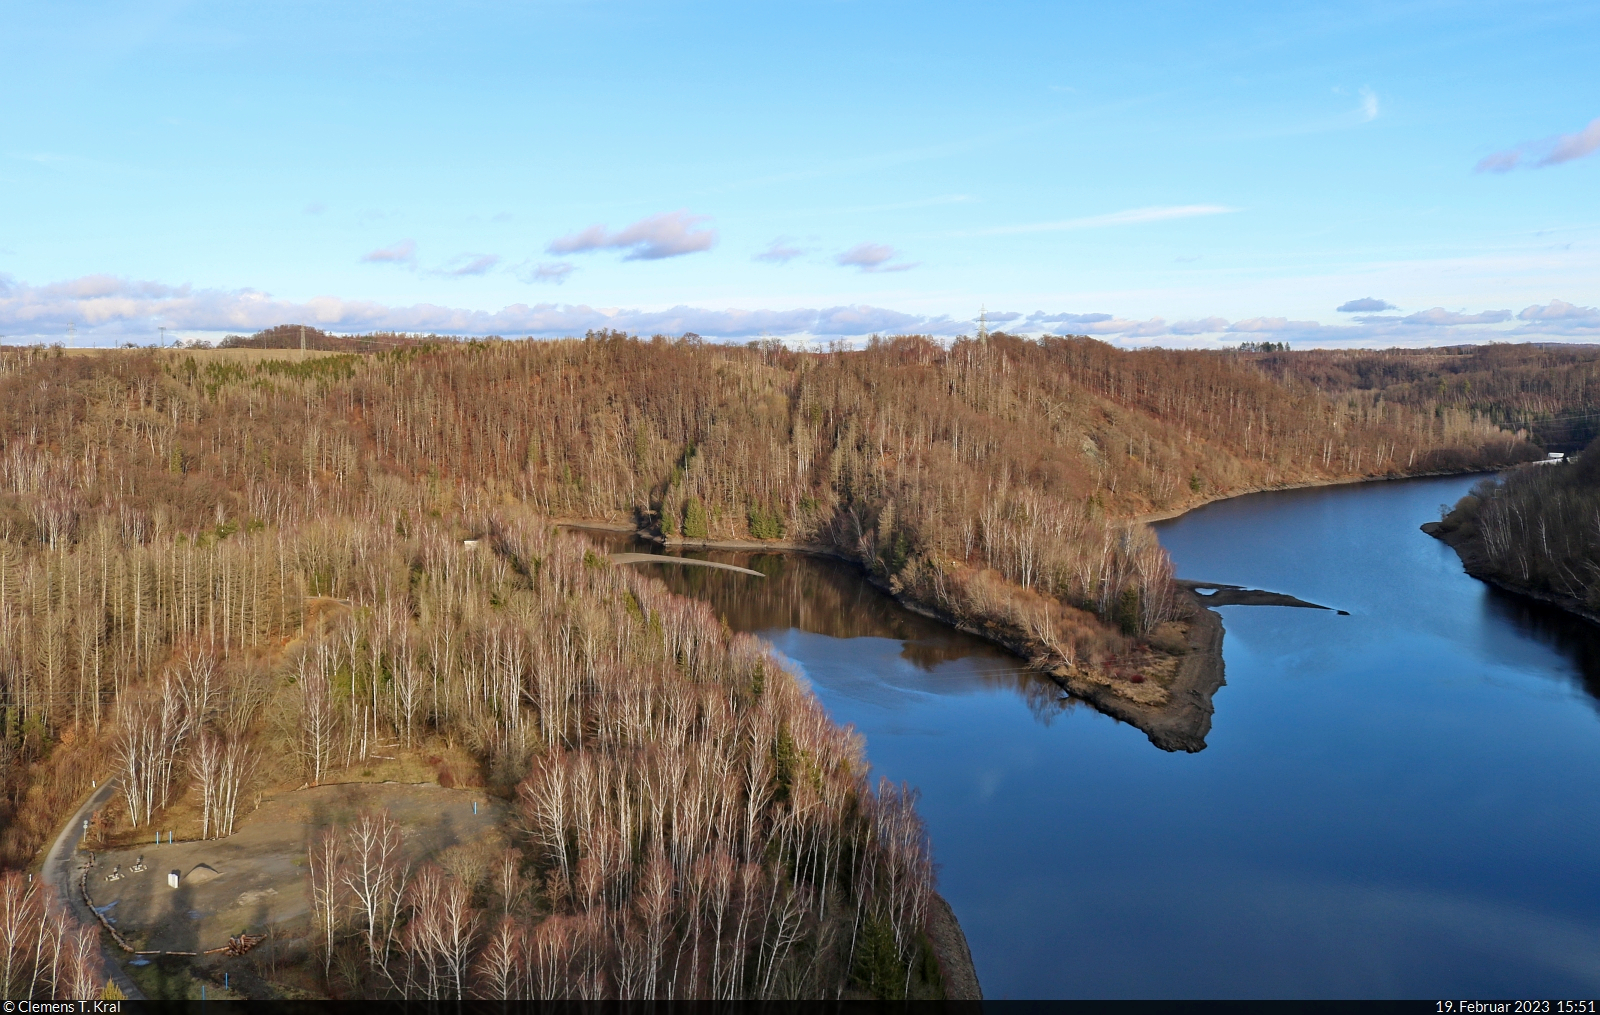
(955, 957)
(1184, 721)
(944, 929)
(1163, 516)
(1470, 554)
(1180, 724)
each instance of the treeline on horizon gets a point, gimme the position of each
(304, 336)
(259, 563)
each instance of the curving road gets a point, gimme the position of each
(60, 870)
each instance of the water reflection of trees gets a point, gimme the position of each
(1574, 638)
(823, 596)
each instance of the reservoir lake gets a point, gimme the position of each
(1402, 802)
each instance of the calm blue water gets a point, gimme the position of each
(1403, 802)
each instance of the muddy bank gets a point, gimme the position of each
(1476, 563)
(1238, 595)
(1182, 722)
(657, 558)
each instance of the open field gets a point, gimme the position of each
(258, 878)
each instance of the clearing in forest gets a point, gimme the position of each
(258, 878)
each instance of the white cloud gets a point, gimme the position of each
(1365, 305)
(1369, 104)
(1574, 146)
(1131, 216)
(1439, 317)
(1499, 162)
(403, 252)
(779, 251)
(546, 271)
(1204, 326)
(1560, 310)
(1039, 318)
(670, 234)
(1550, 151)
(871, 257)
(1559, 317)
(471, 264)
(1269, 325)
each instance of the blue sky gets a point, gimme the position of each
(1146, 172)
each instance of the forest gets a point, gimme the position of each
(233, 570)
(1535, 531)
(1550, 391)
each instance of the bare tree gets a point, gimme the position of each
(83, 974)
(137, 747)
(326, 857)
(501, 965)
(375, 875)
(44, 953)
(319, 714)
(205, 763)
(237, 765)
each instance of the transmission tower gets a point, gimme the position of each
(983, 324)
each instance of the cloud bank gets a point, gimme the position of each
(671, 234)
(107, 310)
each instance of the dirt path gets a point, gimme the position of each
(60, 870)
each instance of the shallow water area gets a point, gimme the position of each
(1401, 802)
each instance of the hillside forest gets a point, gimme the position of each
(224, 571)
(1534, 531)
